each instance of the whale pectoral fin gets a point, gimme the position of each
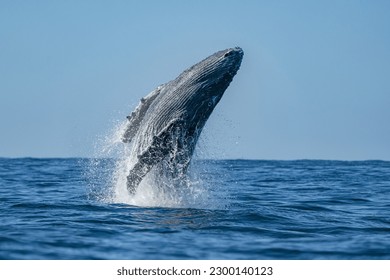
(137, 173)
(156, 152)
(138, 114)
(145, 163)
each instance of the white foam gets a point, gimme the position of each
(154, 191)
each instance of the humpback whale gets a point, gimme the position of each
(166, 125)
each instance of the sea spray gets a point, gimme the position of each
(108, 169)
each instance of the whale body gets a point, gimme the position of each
(165, 126)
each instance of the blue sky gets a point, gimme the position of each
(314, 82)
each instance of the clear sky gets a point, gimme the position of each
(314, 82)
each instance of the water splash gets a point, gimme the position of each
(110, 166)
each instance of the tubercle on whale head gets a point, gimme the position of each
(233, 51)
(226, 60)
(229, 57)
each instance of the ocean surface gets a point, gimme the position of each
(233, 209)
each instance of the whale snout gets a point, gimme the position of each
(233, 58)
(236, 52)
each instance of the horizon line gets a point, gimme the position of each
(206, 159)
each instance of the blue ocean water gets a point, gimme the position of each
(248, 209)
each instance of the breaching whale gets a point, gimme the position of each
(166, 125)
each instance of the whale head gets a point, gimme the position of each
(190, 98)
(199, 88)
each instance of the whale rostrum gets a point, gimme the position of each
(165, 126)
